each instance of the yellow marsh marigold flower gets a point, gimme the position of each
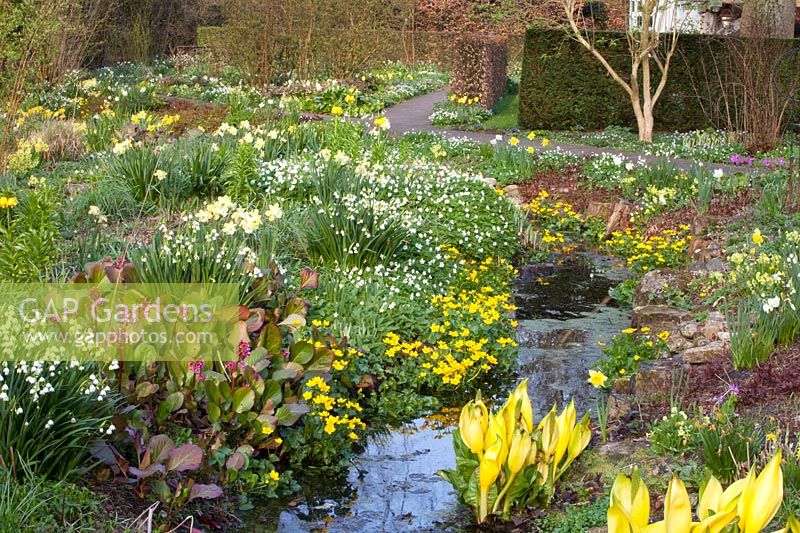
(274, 475)
(513, 141)
(337, 111)
(349, 99)
(629, 331)
(545, 142)
(531, 136)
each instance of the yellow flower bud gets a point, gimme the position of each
(472, 425)
(519, 450)
(490, 464)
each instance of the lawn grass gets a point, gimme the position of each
(506, 113)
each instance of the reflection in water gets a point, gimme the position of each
(563, 314)
(396, 485)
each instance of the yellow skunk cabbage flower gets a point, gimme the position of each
(525, 409)
(496, 429)
(677, 510)
(519, 450)
(488, 470)
(716, 508)
(549, 428)
(472, 425)
(490, 464)
(579, 440)
(533, 453)
(518, 410)
(629, 505)
(761, 497)
(510, 415)
(709, 498)
(565, 422)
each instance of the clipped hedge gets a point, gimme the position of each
(479, 67)
(563, 86)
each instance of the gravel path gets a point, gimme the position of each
(412, 115)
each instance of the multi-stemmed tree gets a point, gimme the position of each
(651, 42)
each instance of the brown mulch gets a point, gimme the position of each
(125, 507)
(194, 114)
(567, 185)
(723, 209)
(770, 390)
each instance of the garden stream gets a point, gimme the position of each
(563, 314)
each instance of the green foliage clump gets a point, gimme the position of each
(51, 411)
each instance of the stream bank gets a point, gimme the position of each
(563, 312)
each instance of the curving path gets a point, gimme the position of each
(412, 115)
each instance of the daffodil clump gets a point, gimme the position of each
(505, 460)
(763, 268)
(459, 110)
(747, 505)
(145, 128)
(621, 358)
(40, 112)
(643, 253)
(218, 243)
(675, 434)
(655, 199)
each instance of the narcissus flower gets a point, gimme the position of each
(597, 379)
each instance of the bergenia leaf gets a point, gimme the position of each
(186, 457)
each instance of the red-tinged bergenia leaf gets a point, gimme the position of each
(160, 447)
(146, 472)
(207, 492)
(309, 279)
(186, 457)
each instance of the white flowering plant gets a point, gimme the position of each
(51, 411)
(217, 244)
